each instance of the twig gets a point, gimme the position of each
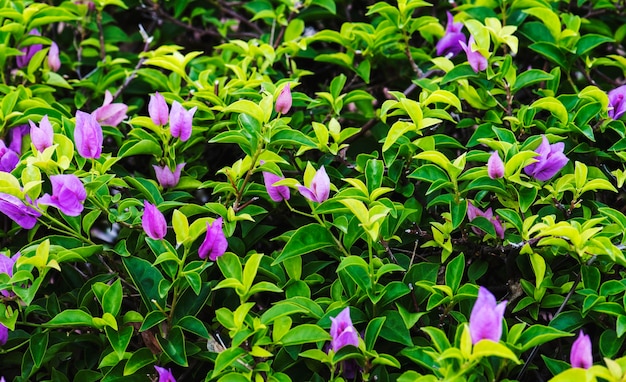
(147, 40)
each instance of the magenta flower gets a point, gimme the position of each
(8, 158)
(41, 136)
(153, 221)
(580, 355)
(473, 212)
(88, 135)
(180, 121)
(485, 321)
(495, 166)
(25, 216)
(449, 45)
(29, 51)
(165, 375)
(617, 103)
(158, 109)
(6, 266)
(283, 101)
(110, 114)
(68, 194)
(214, 244)
(319, 189)
(166, 177)
(4, 337)
(54, 62)
(342, 331)
(16, 134)
(549, 161)
(477, 61)
(276, 193)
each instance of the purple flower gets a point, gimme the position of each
(473, 212)
(342, 332)
(68, 194)
(319, 189)
(485, 321)
(4, 337)
(477, 61)
(16, 134)
(54, 63)
(153, 221)
(29, 51)
(580, 355)
(165, 375)
(449, 45)
(214, 244)
(88, 135)
(166, 177)
(276, 193)
(549, 161)
(25, 216)
(8, 158)
(110, 114)
(158, 109)
(495, 166)
(617, 103)
(180, 121)
(6, 266)
(283, 101)
(41, 136)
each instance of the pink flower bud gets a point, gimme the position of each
(214, 244)
(165, 375)
(181, 121)
(42, 136)
(485, 321)
(88, 135)
(153, 221)
(166, 177)
(68, 194)
(495, 166)
(477, 61)
(158, 109)
(276, 193)
(54, 62)
(283, 102)
(581, 355)
(319, 189)
(342, 331)
(110, 114)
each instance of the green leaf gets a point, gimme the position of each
(311, 237)
(454, 272)
(305, 333)
(226, 359)
(71, 317)
(530, 77)
(112, 298)
(589, 41)
(138, 360)
(174, 346)
(459, 72)
(194, 325)
(488, 348)
(37, 346)
(119, 340)
(146, 278)
(537, 335)
(372, 331)
(554, 106)
(329, 5)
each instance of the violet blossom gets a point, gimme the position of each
(342, 331)
(214, 244)
(477, 61)
(485, 321)
(42, 135)
(449, 45)
(284, 100)
(549, 161)
(29, 51)
(165, 375)
(13, 207)
(15, 137)
(617, 102)
(6, 266)
(580, 355)
(276, 193)
(166, 177)
(68, 194)
(88, 135)
(158, 109)
(110, 114)
(181, 121)
(319, 189)
(153, 222)
(495, 166)
(473, 212)
(4, 337)
(8, 158)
